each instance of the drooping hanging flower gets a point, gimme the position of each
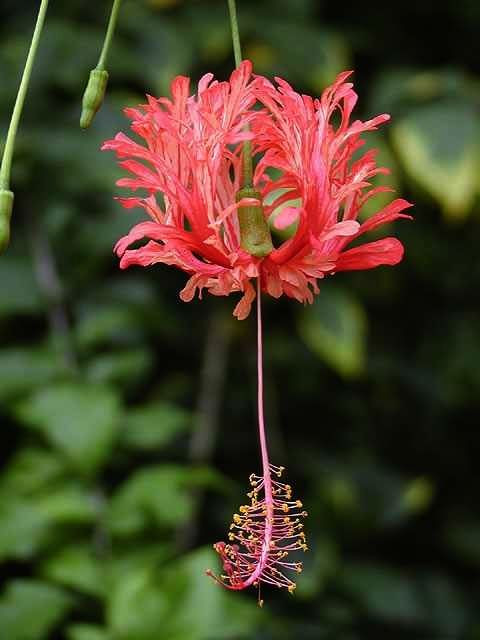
(191, 168)
(210, 213)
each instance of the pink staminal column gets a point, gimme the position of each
(264, 532)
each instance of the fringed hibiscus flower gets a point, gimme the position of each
(210, 214)
(209, 218)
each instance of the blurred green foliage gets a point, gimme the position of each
(128, 419)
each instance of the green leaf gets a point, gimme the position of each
(29, 471)
(20, 289)
(385, 593)
(398, 89)
(334, 328)
(137, 606)
(323, 564)
(27, 524)
(70, 503)
(100, 325)
(24, 527)
(148, 600)
(130, 559)
(207, 612)
(157, 495)
(30, 609)
(80, 420)
(154, 426)
(87, 632)
(75, 566)
(120, 367)
(22, 370)
(438, 146)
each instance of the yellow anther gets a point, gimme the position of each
(288, 487)
(286, 520)
(285, 507)
(260, 603)
(243, 508)
(236, 518)
(298, 567)
(231, 536)
(292, 587)
(299, 504)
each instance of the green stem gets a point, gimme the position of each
(247, 165)
(237, 49)
(109, 35)
(17, 109)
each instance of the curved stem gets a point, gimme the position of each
(109, 35)
(19, 102)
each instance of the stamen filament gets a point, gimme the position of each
(267, 480)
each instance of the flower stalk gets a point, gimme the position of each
(97, 83)
(6, 195)
(237, 47)
(255, 236)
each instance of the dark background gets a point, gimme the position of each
(128, 417)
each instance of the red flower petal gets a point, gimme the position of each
(388, 251)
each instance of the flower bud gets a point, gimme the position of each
(6, 206)
(93, 96)
(255, 235)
